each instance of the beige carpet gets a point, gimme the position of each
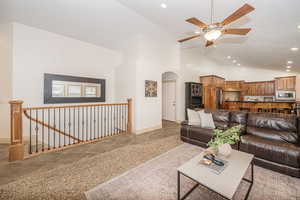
(72, 172)
(157, 179)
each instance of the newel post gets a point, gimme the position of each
(129, 125)
(16, 148)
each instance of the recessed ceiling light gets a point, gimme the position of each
(197, 32)
(229, 57)
(289, 67)
(238, 64)
(163, 5)
(288, 70)
(289, 62)
(298, 26)
(294, 49)
(234, 61)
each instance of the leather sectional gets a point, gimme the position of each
(273, 138)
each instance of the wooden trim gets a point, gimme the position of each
(212, 76)
(16, 149)
(259, 82)
(72, 106)
(285, 77)
(73, 145)
(129, 125)
(50, 127)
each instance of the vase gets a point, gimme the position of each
(225, 150)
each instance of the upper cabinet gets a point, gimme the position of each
(233, 85)
(285, 83)
(212, 80)
(264, 88)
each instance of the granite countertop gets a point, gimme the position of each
(261, 101)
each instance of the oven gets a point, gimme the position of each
(285, 95)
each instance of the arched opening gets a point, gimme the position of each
(169, 96)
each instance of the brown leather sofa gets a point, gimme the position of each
(272, 138)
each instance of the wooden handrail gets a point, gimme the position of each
(123, 112)
(73, 106)
(50, 127)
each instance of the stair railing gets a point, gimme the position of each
(54, 128)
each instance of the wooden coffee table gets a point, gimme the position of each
(225, 183)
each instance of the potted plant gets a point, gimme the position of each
(222, 139)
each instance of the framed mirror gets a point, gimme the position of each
(71, 89)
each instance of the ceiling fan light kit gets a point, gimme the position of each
(213, 31)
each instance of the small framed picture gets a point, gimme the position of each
(150, 88)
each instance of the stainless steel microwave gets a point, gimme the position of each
(285, 95)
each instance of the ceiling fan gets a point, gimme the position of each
(214, 30)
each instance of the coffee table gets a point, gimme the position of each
(225, 183)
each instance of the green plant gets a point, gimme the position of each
(229, 136)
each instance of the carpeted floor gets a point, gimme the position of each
(70, 173)
(157, 179)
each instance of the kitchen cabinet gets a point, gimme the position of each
(212, 80)
(269, 88)
(212, 97)
(286, 83)
(264, 88)
(233, 85)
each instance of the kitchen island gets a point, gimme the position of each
(259, 106)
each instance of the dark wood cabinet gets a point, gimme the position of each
(193, 95)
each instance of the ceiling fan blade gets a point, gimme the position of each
(244, 10)
(209, 43)
(189, 38)
(236, 31)
(196, 22)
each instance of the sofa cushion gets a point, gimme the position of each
(239, 118)
(221, 118)
(273, 121)
(201, 134)
(272, 150)
(283, 136)
(273, 126)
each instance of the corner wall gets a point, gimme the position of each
(5, 79)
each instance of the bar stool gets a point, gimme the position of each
(274, 110)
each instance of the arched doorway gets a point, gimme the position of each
(169, 96)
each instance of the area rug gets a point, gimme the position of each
(157, 180)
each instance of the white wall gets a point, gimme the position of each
(5, 73)
(36, 52)
(156, 55)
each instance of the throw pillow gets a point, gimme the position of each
(193, 118)
(207, 120)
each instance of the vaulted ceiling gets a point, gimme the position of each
(109, 23)
(274, 29)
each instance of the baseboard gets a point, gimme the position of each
(148, 129)
(4, 140)
(25, 139)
